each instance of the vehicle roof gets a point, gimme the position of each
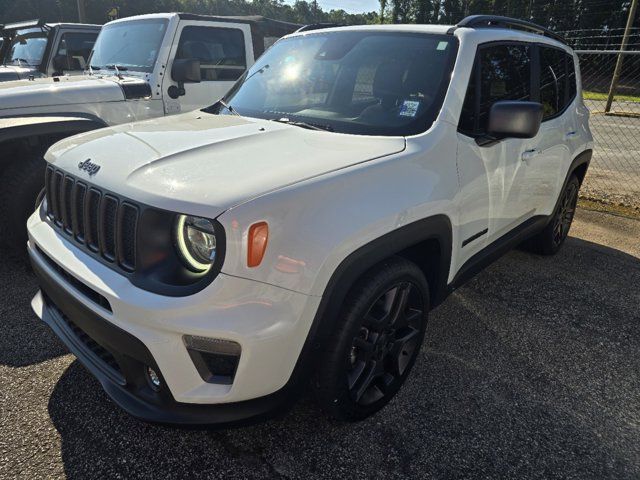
(478, 35)
(438, 29)
(255, 19)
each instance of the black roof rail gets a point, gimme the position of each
(496, 21)
(318, 26)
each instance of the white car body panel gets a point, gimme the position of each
(269, 323)
(323, 195)
(205, 92)
(198, 155)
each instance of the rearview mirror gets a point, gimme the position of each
(514, 119)
(186, 71)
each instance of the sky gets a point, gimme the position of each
(351, 6)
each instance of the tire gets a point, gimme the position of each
(550, 240)
(381, 328)
(23, 180)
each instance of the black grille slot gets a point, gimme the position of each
(93, 211)
(109, 217)
(78, 211)
(48, 176)
(56, 190)
(128, 222)
(104, 223)
(66, 205)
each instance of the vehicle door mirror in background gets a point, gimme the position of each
(184, 71)
(514, 119)
(60, 63)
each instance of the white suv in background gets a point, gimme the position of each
(204, 266)
(140, 68)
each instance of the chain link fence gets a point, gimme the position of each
(614, 174)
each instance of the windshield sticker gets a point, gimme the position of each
(409, 108)
(442, 45)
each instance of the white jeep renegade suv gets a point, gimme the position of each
(203, 266)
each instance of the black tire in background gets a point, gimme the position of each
(380, 330)
(549, 240)
(22, 182)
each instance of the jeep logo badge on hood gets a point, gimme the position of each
(90, 168)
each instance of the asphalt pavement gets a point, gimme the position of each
(529, 371)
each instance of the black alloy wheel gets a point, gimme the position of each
(553, 236)
(387, 340)
(374, 341)
(564, 216)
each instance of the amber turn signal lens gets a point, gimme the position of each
(258, 238)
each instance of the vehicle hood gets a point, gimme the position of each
(204, 164)
(60, 91)
(10, 73)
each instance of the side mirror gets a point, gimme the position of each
(60, 63)
(514, 119)
(186, 71)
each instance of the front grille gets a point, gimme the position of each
(102, 353)
(106, 224)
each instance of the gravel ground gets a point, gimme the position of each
(529, 371)
(614, 173)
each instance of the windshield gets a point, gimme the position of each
(27, 48)
(131, 45)
(360, 82)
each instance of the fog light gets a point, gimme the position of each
(154, 378)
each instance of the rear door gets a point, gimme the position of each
(224, 50)
(495, 197)
(550, 155)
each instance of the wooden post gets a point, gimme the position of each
(623, 47)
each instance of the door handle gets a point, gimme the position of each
(529, 154)
(570, 135)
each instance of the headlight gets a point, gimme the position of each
(196, 242)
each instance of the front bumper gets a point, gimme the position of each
(144, 329)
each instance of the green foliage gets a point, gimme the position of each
(301, 11)
(560, 15)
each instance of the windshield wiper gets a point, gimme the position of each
(229, 107)
(117, 67)
(307, 125)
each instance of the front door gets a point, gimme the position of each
(495, 196)
(225, 51)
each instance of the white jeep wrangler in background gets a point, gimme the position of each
(137, 70)
(34, 49)
(203, 266)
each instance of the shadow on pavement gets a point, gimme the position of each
(530, 370)
(24, 338)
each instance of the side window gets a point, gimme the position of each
(76, 47)
(220, 50)
(553, 81)
(504, 74)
